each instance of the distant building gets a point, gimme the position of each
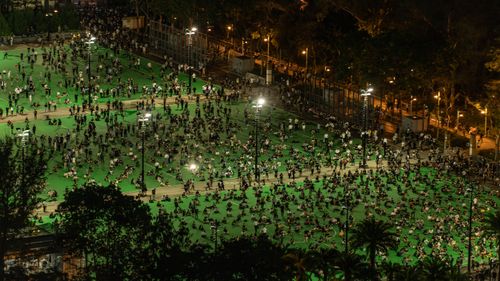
(38, 250)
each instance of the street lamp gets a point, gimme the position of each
(268, 58)
(306, 53)
(364, 135)
(190, 32)
(485, 112)
(258, 107)
(438, 97)
(49, 20)
(346, 203)
(471, 201)
(411, 105)
(144, 118)
(215, 229)
(459, 114)
(24, 136)
(89, 42)
(243, 43)
(229, 29)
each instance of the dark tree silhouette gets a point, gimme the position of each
(20, 186)
(375, 236)
(492, 229)
(109, 229)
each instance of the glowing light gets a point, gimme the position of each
(193, 167)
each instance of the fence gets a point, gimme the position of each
(340, 101)
(196, 49)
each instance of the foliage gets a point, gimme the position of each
(250, 258)
(29, 21)
(375, 236)
(491, 229)
(108, 228)
(20, 186)
(4, 26)
(166, 245)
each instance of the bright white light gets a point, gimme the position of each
(91, 39)
(145, 117)
(24, 134)
(261, 101)
(366, 92)
(193, 167)
(191, 31)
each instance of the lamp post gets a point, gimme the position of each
(268, 77)
(243, 43)
(190, 32)
(411, 105)
(229, 29)
(459, 114)
(438, 97)
(306, 53)
(364, 135)
(346, 203)
(268, 41)
(258, 107)
(215, 229)
(49, 16)
(143, 119)
(24, 136)
(469, 251)
(485, 112)
(89, 42)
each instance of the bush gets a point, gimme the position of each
(20, 22)
(459, 141)
(4, 27)
(27, 22)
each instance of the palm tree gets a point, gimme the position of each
(491, 226)
(375, 236)
(390, 270)
(351, 265)
(434, 269)
(299, 262)
(408, 273)
(329, 258)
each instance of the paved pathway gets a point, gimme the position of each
(229, 183)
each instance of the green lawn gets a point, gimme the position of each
(330, 207)
(97, 169)
(428, 195)
(141, 76)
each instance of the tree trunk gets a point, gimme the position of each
(498, 262)
(3, 250)
(372, 263)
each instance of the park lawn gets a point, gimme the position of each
(58, 182)
(201, 231)
(143, 76)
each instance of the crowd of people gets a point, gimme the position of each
(310, 171)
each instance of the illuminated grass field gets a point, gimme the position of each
(432, 207)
